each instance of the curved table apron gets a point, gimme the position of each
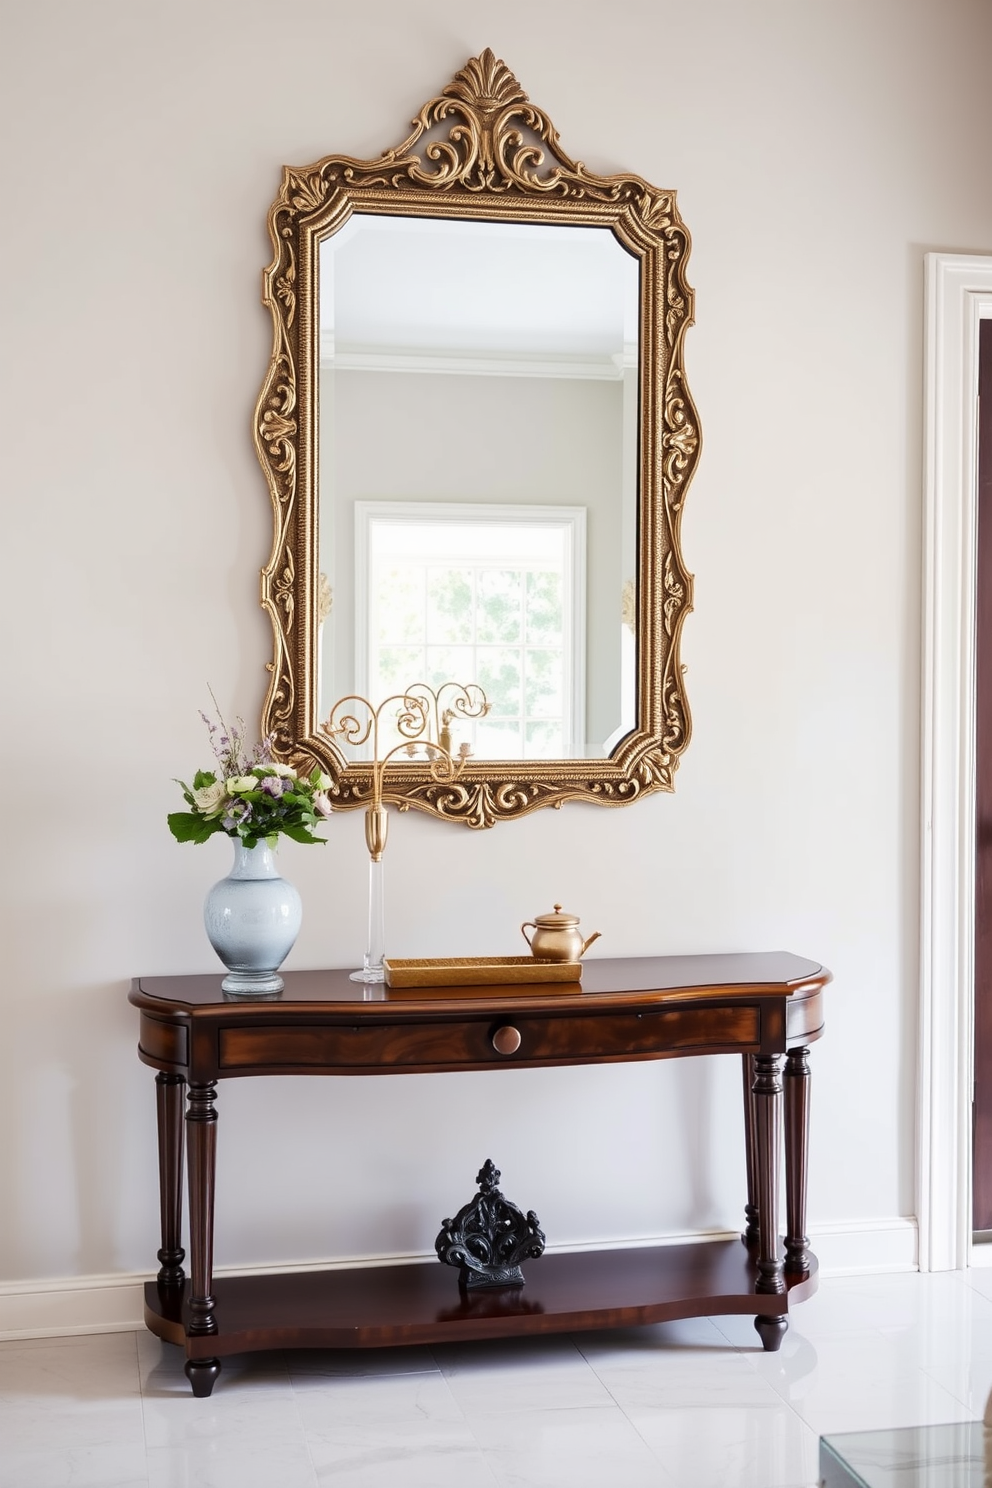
(765, 1007)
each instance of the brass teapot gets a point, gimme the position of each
(556, 936)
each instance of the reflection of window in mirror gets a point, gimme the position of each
(485, 594)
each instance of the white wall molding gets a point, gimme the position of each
(958, 296)
(114, 1304)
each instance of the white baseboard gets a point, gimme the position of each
(83, 1304)
(114, 1304)
(861, 1247)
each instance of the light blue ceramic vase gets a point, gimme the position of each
(252, 919)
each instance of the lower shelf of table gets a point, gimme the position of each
(383, 1306)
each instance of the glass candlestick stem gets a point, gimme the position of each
(376, 826)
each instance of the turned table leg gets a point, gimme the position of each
(169, 1093)
(750, 1152)
(201, 1118)
(768, 1126)
(797, 1084)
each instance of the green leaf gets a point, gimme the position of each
(202, 778)
(187, 792)
(188, 826)
(301, 834)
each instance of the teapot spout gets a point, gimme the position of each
(586, 944)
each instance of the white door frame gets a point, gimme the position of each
(958, 296)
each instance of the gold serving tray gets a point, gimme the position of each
(478, 971)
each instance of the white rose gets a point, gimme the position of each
(209, 797)
(323, 782)
(285, 770)
(235, 783)
(322, 804)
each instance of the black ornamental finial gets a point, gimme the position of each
(489, 1237)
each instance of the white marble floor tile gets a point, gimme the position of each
(949, 1336)
(979, 1278)
(731, 1383)
(242, 1420)
(98, 1365)
(104, 1465)
(402, 1402)
(569, 1448)
(968, 1378)
(713, 1446)
(448, 1458)
(223, 1463)
(847, 1384)
(672, 1367)
(246, 1418)
(252, 1412)
(80, 1397)
(945, 1321)
(520, 1375)
(916, 1316)
(160, 1369)
(390, 1429)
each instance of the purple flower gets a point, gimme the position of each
(238, 812)
(273, 785)
(262, 752)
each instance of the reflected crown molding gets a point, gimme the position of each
(463, 364)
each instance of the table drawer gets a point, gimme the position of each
(635, 1035)
(364, 1047)
(470, 1041)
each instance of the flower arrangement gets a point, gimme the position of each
(249, 794)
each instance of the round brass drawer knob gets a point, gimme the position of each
(506, 1040)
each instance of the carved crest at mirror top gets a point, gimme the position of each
(479, 152)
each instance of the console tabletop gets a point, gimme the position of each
(756, 1005)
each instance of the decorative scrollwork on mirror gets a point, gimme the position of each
(481, 153)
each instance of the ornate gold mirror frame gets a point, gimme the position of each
(480, 150)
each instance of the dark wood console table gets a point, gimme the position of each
(762, 1007)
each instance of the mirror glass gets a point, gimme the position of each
(477, 414)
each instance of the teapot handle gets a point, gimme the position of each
(523, 931)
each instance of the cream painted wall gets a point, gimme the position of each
(819, 149)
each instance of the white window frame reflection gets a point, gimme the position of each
(479, 536)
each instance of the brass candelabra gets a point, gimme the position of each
(416, 714)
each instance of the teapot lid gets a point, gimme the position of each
(559, 920)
